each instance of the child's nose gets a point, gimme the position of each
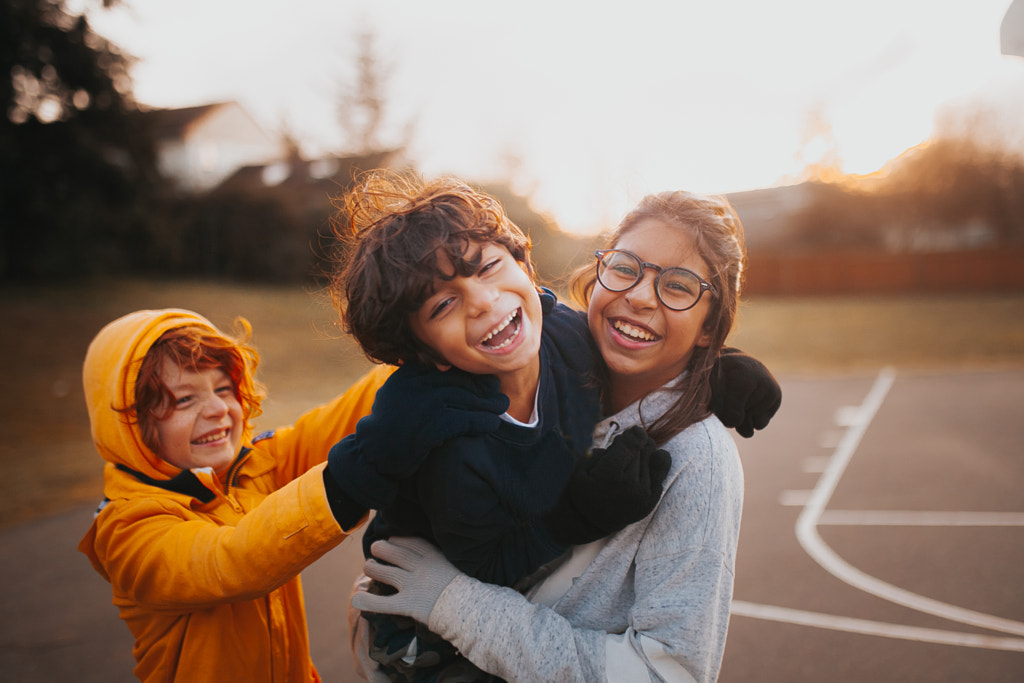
(215, 406)
(643, 294)
(481, 298)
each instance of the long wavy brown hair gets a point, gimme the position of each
(718, 235)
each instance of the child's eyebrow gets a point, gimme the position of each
(176, 387)
(464, 263)
(185, 382)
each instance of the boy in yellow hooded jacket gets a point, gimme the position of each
(204, 527)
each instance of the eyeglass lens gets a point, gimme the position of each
(678, 288)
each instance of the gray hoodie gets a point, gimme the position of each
(651, 601)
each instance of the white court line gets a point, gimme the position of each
(875, 628)
(815, 465)
(858, 420)
(918, 518)
(793, 499)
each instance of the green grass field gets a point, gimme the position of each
(50, 465)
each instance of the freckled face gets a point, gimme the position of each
(204, 425)
(645, 344)
(488, 323)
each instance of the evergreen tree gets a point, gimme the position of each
(73, 161)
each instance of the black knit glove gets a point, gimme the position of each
(416, 410)
(610, 489)
(744, 394)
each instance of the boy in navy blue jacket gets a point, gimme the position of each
(437, 280)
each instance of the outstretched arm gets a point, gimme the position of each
(415, 411)
(744, 394)
(160, 560)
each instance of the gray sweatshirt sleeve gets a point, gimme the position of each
(655, 600)
(503, 633)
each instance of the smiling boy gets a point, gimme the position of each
(203, 423)
(437, 276)
(489, 323)
(204, 527)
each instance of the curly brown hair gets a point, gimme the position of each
(391, 228)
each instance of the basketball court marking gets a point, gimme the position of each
(856, 420)
(874, 628)
(916, 518)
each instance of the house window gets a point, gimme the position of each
(275, 174)
(208, 157)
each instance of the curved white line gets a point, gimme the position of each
(807, 528)
(874, 628)
(918, 518)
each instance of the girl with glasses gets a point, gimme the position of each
(650, 602)
(653, 322)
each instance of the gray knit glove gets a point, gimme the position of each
(416, 569)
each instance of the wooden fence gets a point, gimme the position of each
(802, 273)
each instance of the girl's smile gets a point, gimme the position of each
(645, 344)
(633, 333)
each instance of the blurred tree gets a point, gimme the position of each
(73, 159)
(555, 254)
(959, 181)
(363, 103)
(289, 141)
(951, 193)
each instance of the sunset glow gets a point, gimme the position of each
(589, 106)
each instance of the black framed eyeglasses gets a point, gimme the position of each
(677, 288)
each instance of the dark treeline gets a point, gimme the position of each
(77, 174)
(285, 233)
(81, 195)
(951, 193)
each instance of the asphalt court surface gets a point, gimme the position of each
(882, 540)
(883, 533)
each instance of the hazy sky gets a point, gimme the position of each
(600, 102)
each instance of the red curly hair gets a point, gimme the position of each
(196, 348)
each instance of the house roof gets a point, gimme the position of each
(1011, 31)
(316, 176)
(171, 124)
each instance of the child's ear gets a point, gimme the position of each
(442, 367)
(704, 340)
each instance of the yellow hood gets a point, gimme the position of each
(111, 368)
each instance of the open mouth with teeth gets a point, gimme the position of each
(210, 438)
(505, 332)
(633, 333)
